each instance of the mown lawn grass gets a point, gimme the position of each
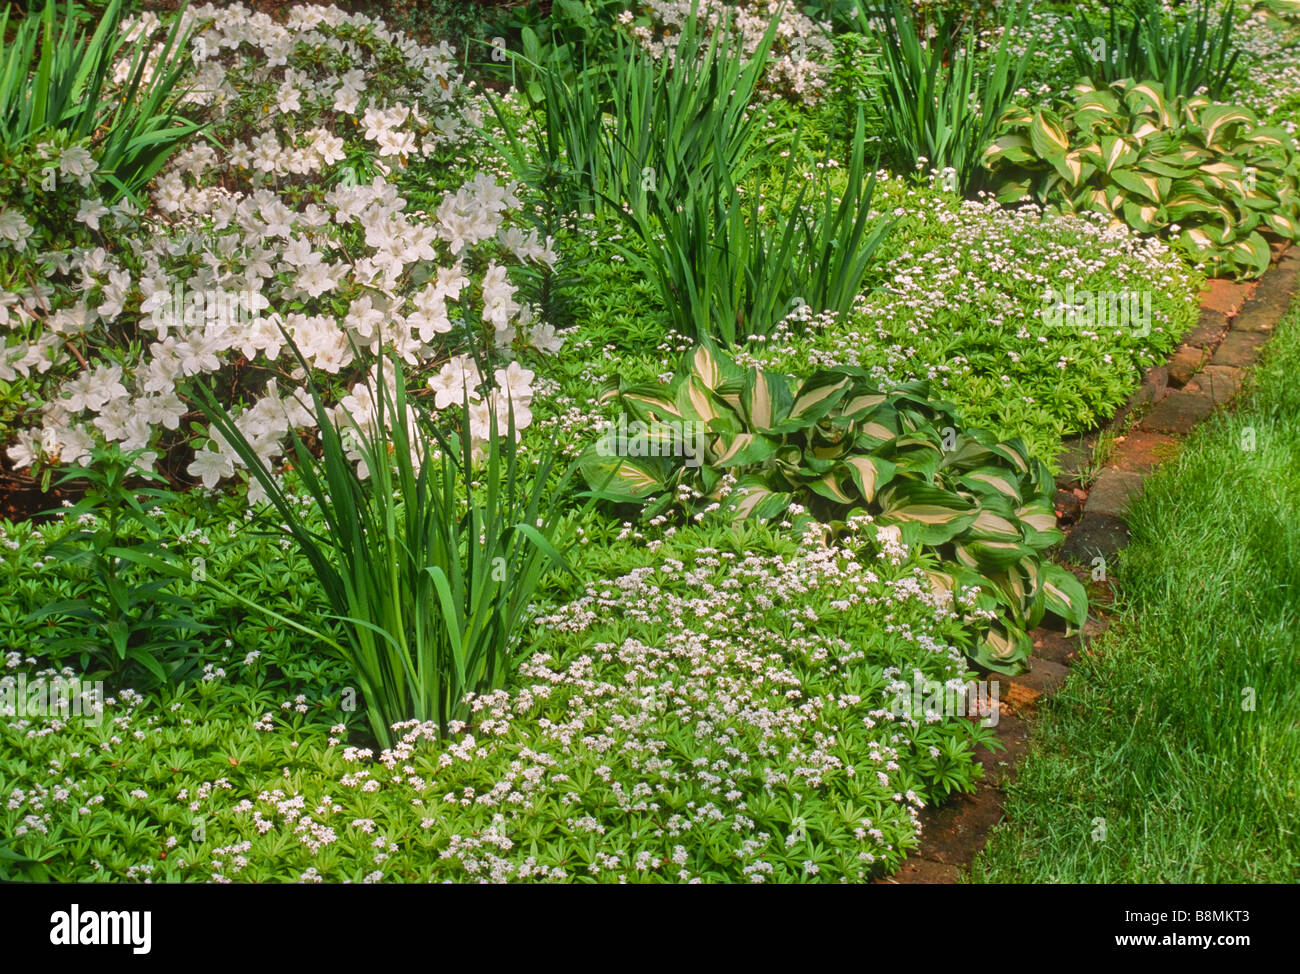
(1150, 765)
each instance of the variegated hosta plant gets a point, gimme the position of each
(838, 444)
(1210, 174)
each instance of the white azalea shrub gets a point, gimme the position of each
(802, 56)
(305, 218)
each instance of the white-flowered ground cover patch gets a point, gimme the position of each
(713, 714)
(965, 298)
(342, 206)
(960, 297)
(1271, 75)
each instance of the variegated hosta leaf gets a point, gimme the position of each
(990, 526)
(828, 486)
(1014, 191)
(1142, 216)
(711, 367)
(1218, 121)
(817, 397)
(622, 479)
(994, 481)
(1282, 225)
(839, 445)
(765, 399)
(1148, 97)
(940, 515)
(1111, 152)
(1014, 452)
(859, 404)
(649, 403)
(1252, 252)
(1047, 135)
(752, 498)
(1004, 649)
(696, 399)
(1038, 524)
(1064, 595)
(1271, 137)
(1011, 148)
(743, 449)
(869, 474)
(1144, 184)
(996, 556)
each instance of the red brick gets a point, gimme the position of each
(1178, 413)
(1113, 492)
(1142, 451)
(1226, 296)
(1185, 363)
(1220, 382)
(1239, 349)
(1210, 328)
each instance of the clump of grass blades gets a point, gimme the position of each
(1200, 54)
(943, 98)
(57, 79)
(639, 125)
(727, 271)
(430, 564)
